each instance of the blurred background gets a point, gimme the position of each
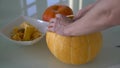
(35, 8)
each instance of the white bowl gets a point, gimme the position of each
(5, 31)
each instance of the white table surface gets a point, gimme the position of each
(38, 56)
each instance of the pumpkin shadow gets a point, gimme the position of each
(106, 58)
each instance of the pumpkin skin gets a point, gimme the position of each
(51, 11)
(74, 50)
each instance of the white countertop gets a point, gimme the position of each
(38, 56)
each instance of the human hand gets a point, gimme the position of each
(59, 23)
(103, 15)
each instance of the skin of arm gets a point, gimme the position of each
(63, 21)
(97, 17)
(83, 11)
(103, 15)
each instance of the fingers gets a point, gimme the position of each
(52, 22)
(52, 29)
(57, 24)
(83, 11)
(80, 14)
(59, 18)
(51, 26)
(63, 20)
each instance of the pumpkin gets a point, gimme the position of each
(51, 11)
(74, 49)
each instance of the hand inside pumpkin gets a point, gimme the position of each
(58, 24)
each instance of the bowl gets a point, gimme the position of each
(6, 30)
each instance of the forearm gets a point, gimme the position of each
(101, 17)
(83, 11)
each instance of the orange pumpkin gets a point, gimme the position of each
(51, 11)
(73, 50)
